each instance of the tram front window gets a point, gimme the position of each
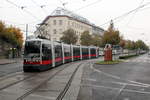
(32, 49)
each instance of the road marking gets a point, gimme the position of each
(117, 77)
(120, 83)
(123, 83)
(121, 89)
(89, 79)
(112, 88)
(143, 84)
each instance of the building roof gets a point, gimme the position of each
(61, 12)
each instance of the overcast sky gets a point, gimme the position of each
(134, 26)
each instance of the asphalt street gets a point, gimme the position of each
(10, 68)
(129, 80)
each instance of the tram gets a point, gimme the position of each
(41, 54)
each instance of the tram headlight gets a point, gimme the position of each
(37, 60)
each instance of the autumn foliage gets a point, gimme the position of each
(11, 35)
(111, 36)
(86, 38)
(69, 37)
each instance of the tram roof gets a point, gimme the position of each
(48, 41)
(37, 39)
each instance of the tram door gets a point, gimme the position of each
(58, 53)
(85, 53)
(93, 52)
(76, 53)
(67, 53)
(46, 55)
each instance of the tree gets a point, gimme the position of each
(128, 44)
(11, 35)
(141, 45)
(69, 37)
(97, 40)
(2, 27)
(122, 42)
(15, 36)
(131, 45)
(86, 38)
(2, 30)
(111, 36)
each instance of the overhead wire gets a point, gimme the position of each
(22, 8)
(41, 6)
(87, 5)
(134, 14)
(126, 14)
(29, 13)
(63, 3)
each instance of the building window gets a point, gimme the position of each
(72, 24)
(60, 22)
(54, 31)
(54, 22)
(81, 27)
(75, 25)
(60, 30)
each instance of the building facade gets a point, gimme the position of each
(61, 20)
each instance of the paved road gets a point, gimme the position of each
(129, 80)
(10, 68)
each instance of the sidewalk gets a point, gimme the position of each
(9, 61)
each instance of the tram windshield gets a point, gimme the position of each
(32, 49)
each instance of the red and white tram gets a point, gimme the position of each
(41, 54)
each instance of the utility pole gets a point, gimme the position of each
(26, 31)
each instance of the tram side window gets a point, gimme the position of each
(76, 51)
(93, 51)
(67, 51)
(58, 51)
(46, 52)
(84, 51)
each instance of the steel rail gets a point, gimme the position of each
(62, 94)
(41, 84)
(17, 81)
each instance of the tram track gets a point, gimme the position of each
(62, 94)
(48, 79)
(9, 75)
(18, 77)
(32, 83)
(15, 80)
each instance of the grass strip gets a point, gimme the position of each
(108, 62)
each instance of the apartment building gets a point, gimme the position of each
(61, 20)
